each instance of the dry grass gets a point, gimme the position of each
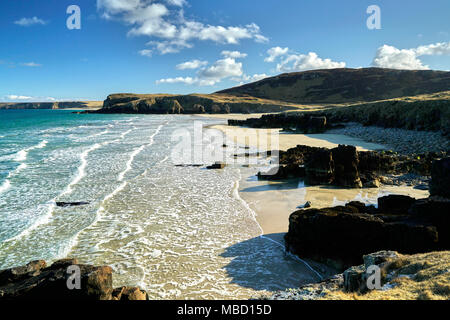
(416, 277)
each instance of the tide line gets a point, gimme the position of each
(253, 213)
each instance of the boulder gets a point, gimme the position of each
(395, 204)
(37, 281)
(346, 172)
(440, 178)
(71, 204)
(129, 293)
(319, 169)
(344, 234)
(217, 165)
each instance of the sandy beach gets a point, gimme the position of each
(274, 201)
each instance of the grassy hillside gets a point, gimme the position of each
(345, 85)
(194, 103)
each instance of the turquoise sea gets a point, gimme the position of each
(179, 232)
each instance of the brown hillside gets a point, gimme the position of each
(345, 85)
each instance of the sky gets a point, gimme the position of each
(202, 46)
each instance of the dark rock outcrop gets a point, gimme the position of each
(37, 281)
(440, 184)
(344, 234)
(345, 166)
(71, 204)
(291, 122)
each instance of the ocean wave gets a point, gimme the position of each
(22, 154)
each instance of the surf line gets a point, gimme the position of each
(120, 178)
(20, 157)
(253, 214)
(52, 203)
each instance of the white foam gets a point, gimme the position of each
(5, 186)
(22, 154)
(253, 214)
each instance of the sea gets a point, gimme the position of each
(179, 232)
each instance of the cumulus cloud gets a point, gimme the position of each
(408, 59)
(164, 22)
(275, 52)
(194, 64)
(291, 61)
(226, 68)
(26, 22)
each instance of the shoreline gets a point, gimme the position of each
(274, 201)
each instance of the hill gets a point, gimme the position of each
(190, 104)
(52, 105)
(345, 85)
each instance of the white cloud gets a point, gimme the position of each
(291, 61)
(22, 98)
(253, 78)
(26, 22)
(168, 28)
(234, 54)
(275, 52)
(17, 97)
(408, 59)
(208, 76)
(31, 64)
(194, 64)
(303, 62)
(146, 53)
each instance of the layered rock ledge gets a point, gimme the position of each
(342, 235)
(344, 166)
(37, 281)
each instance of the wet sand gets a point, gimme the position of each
(274, 201)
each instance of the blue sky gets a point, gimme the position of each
(186, 46)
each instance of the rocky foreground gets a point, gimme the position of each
(37, 281)
(345, 236)
(403, 277)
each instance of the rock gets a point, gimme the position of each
(306, 205)
(316, 125)
(319, 169)
(354, 278)
(436, 211)
(379, 258)
(36, 281)
(17, 273)
(440, 178)
(375, 183)
(346, 171)
(71, 204)
(344, 234)
(129, 293)
(217, 165)
(422, 187)
(395, 204)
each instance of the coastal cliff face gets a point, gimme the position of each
(188, 104)
(424, 112)
(345, 85)
(50, 105)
